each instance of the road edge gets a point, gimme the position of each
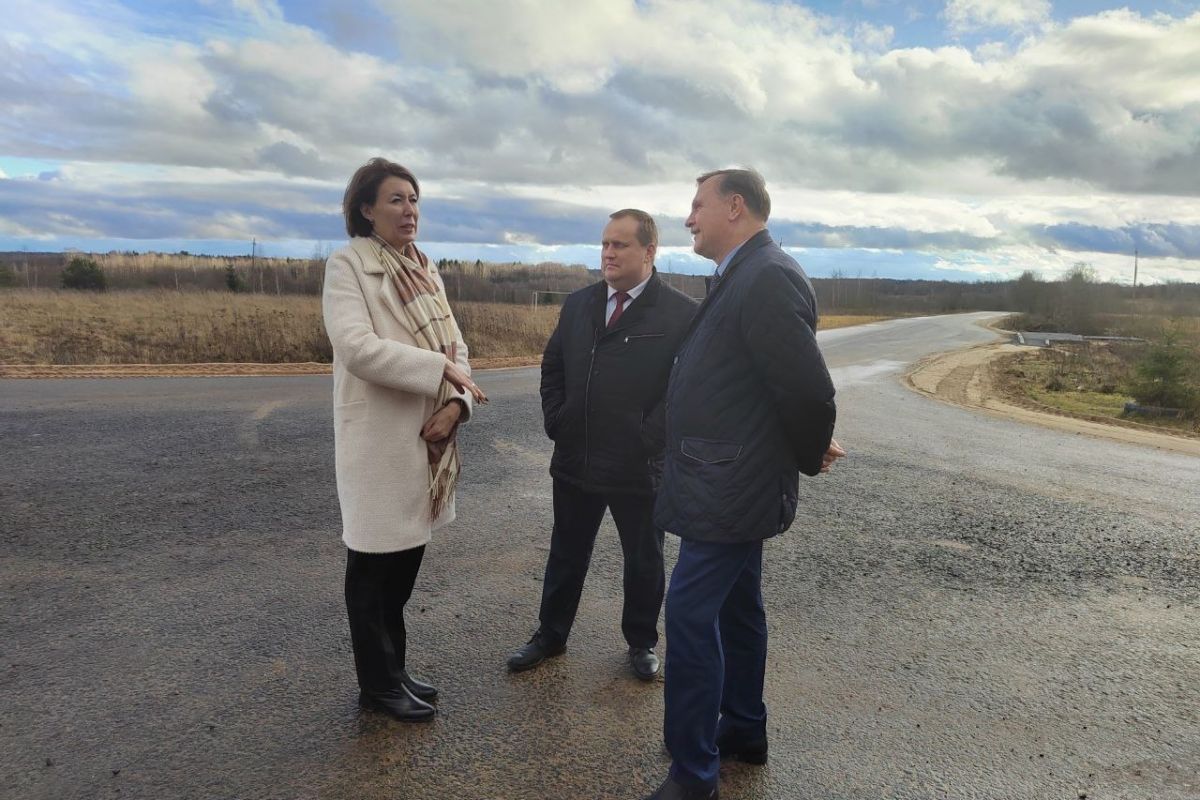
(212, 370)
(962, 378)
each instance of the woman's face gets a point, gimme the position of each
(394, 213)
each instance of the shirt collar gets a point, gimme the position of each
(725, 261)
(635, 291)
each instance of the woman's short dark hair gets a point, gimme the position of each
(745, 182)
(364, 188)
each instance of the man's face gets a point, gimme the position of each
(709, 221)
(624, 261)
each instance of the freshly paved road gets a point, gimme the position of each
(967, 608)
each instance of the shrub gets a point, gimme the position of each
(7, 276)
(84, 273)
(1163, 377)
(233, 281)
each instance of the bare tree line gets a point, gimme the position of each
(1078, 303)
(1072, 302)
(180, 271)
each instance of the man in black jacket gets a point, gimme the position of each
(749, 406)
(604, 372)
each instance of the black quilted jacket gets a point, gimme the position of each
(749, 404)
(602, 390)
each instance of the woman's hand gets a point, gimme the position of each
(460, 380)
(441, 424)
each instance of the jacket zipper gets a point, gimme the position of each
(644, 336)
(587, 412)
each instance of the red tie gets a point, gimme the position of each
(621, 298)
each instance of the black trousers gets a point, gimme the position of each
(377, 587)
(577, 517)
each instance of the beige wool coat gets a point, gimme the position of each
(385, 387)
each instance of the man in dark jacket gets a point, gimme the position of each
(604, 372)
(749, 406)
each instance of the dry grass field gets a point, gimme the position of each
(158, 327)
(168, 327)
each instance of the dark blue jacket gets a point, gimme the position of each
(602, 389)
(749, 404)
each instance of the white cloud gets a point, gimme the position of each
(517, 237)
(262, 11)
(9, 227)
(873, 37)
(567, 45)
(514, 93)
(601, 105)
(969, 15)
(231, 225)
(1011, 261)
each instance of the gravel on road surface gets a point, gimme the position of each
(967, 607)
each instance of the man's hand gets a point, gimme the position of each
(834, 452)
(441, 424)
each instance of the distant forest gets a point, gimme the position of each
(547, 283)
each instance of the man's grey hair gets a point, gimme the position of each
(745, 182)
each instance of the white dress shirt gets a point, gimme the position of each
(612, 298)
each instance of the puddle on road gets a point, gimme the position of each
(863, 373)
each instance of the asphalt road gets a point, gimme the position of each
(967, 607)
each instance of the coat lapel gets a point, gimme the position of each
(599, 307)
(637, 309)
(756, 241)
(388, 294)
(391, 298)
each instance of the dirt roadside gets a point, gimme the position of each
(209, 370)
(963, 378)
(960, 378)
(249, 370)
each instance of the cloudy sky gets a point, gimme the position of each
(959, 139)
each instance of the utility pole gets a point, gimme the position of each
(1135, 266)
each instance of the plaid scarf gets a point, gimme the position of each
(427, 317)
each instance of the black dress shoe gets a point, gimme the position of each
(537, 650)
(749, 751)
(398, 703)
(644, 662)
(672, 790)
(419, 689)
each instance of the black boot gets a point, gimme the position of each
(673, 790)
(643, 662)
(740, 748)
(540, 647)
(419, 689)
(398, 703)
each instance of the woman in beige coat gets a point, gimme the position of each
(401, 386)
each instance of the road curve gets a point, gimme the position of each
(967, 608)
